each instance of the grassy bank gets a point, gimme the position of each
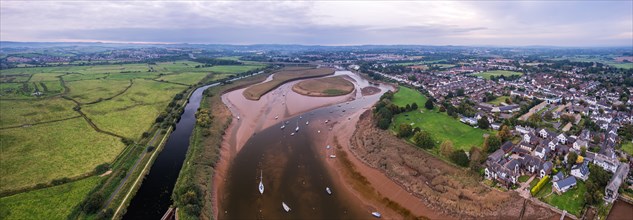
(329, 86)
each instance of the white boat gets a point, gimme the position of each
(332, 156)
(376, 214)
(286, 207)
(292, 134)
(328, 147)
(327, 189)
(261, 184)
(238, 118)
(307, 122)
(276, 117)
(326, 121)
(297, 129)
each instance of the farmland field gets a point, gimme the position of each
(18, 112)
(45, 138)
(54, 202)
(441, 126)
(92, 90)
(41, 153)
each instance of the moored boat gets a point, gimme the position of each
(261, 183)
(327, 189)
(285, 206)
(376, 214)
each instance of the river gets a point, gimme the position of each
(291, 164)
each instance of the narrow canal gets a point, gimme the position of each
(154, 197)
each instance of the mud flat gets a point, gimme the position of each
(621, 210)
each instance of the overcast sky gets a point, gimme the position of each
(520, 23)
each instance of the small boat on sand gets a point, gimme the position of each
(307, 122)
(283, 126)
(261, 184)
(286, 207)
(376, 214)
(327, 189)
(332, 156)
(276, 117)
(292, 134)
(297, 129)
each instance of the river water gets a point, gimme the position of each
(291, 166)
(154, 197)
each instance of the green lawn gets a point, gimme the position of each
(499, 100)
(488, 74)
(627, 146)
(524, 178)
(440, 125)
(41, 153)
(50, 203)
(572, 200)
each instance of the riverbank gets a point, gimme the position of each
(444, 189)
(283, 76)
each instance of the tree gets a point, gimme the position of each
(483, 122)
(424, 140)
(414, 106)
(534, 119)
(446, 149)
(505, 134)
(408, 107)
(429, 104)
(476, 157)
(93, 203)
(492, 143)
(405, 130)
(571, 159)
(548, 115)
(460, 158)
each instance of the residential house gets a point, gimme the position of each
(563, 185)
(546, 169)
(579, 143)
(558, 176)
(581, 171)
(611, 191)
(562, 138)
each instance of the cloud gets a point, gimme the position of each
(322, 22)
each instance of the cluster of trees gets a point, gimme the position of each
(596, 183)
(189, 198)
(208, 62)
(506, 78)
(385, 110)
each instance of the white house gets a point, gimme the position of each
(581, 171)
(579, 143)
(562, 138)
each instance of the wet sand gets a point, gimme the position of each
(282, 102)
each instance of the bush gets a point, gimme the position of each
(460, 158)
(424, 140)
(93, 203)
(405, 130)
(102, 168)
(60, 181)
(537, 188)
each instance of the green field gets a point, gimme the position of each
(488, 74)
(45, 138)
(86, 91)
(627, 146)
(41, 153)
(52, 203)
(498, 100)
(439, 124)
(19, 112)
(184, 78)
(572, 200)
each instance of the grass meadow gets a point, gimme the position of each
(53, 203)
(19, 112)
(42, 153)
(441, 126)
